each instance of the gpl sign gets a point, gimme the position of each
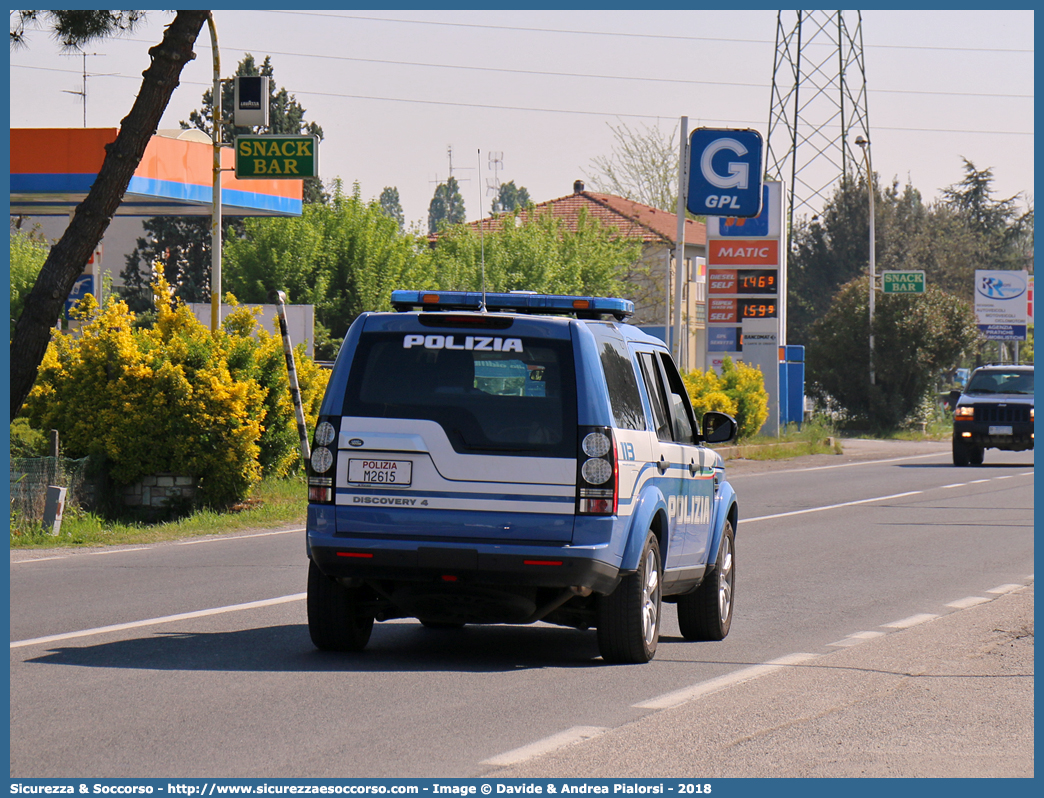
(724, 172)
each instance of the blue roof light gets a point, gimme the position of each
(518, 302)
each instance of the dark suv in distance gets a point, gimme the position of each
(995, 411)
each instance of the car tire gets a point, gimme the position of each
(336, 621)
(961, 453)
(629, 617)
(976, 455)
(706, 613)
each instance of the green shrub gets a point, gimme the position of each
(26, 441)
(738, 391)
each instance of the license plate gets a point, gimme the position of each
(1000, 430)
(394, 473)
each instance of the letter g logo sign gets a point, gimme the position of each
(739, 172)
(725, 172)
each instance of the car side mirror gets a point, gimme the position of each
(718, 427)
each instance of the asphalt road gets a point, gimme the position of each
(192, 659)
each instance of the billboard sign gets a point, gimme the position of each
(1001, 304)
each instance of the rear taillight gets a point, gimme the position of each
(597, 478)
(323, 463)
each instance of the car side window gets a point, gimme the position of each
(624, 397)
(657, 395)
(681, 409)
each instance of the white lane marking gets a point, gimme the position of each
(78, 554)
(840, 465)
(979, 481)
(913, 620)
(856, 639)
(184, 616)
(954, 485)
(239, 537)
(685, 694)
(832, 506)
(548, 744)
(970, 601)
(148, 548)
(1001, 589)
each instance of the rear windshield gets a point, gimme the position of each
(490, 393)
(998, 381)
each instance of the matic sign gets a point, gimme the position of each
(725, 172)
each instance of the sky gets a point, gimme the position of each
(404, 96)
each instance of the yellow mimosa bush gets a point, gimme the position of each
(174, 398)
(739, 391)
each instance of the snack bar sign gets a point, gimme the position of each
(277, 157)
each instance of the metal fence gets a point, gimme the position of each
(30, 477)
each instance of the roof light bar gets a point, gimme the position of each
(518, 302)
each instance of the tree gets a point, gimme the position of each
(67, 258)
(446, 207)
(643, 167)
(182, 243)
(28, 253)
(511, 198)
(534, 252)
(344, 257)
(999, 233)
(916, 338)
(391, 205)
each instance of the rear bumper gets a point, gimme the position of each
(426, 558)
(510, 567)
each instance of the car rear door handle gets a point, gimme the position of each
(693, 468)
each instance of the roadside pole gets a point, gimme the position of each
(679, 246)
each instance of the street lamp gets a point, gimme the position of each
(864, 145)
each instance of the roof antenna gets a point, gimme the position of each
(482, 242)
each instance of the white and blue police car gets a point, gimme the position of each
(513, 458)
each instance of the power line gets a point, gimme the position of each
(541, 73)
(627, 34)
(527, 109)
(574, 111)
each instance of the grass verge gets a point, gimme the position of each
(275, 502)
(814, 437)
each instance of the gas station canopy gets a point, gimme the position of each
(52, 169)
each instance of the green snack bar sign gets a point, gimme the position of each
(902, 282)
(277, 157)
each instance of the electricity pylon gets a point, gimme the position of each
(818, 105)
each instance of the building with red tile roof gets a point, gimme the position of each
(658, 231)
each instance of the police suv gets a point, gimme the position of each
(513, 458)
